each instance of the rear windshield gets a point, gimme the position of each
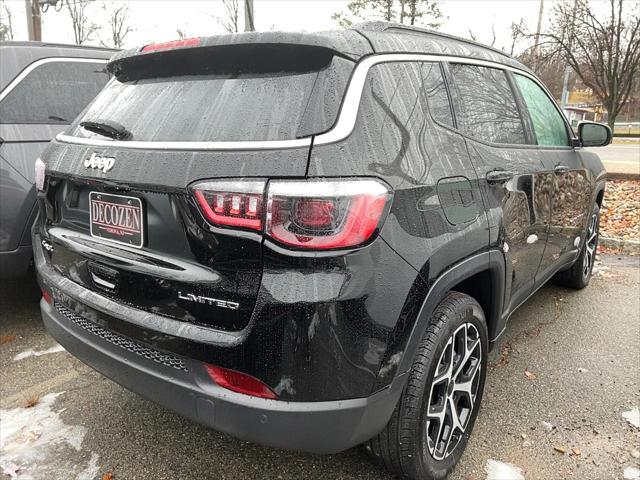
(285, 100)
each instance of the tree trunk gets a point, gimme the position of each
(612, 112)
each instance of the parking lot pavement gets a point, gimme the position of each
(620, 158)
(564, 420)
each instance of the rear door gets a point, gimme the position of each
(516, 186)
(572, 184)
(125, 219)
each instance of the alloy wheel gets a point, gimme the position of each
(453, 391)
(590, 246)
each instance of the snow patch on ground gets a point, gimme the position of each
(33, 353)
(502, 471)
(631, 473)
(633, 417)
(91, 471)
(35, 444)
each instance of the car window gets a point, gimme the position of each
(548, 125)
(488, 107)
(276, 102)
(54, 92)
(437, 98)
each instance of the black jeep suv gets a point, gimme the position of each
(311, 241)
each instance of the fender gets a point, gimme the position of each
(492, 260)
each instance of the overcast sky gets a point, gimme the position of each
(158, 20)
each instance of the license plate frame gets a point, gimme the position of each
(128, 229)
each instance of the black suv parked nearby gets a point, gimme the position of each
(311, 241)
(43, 87)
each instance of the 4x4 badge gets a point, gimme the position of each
(103, 163)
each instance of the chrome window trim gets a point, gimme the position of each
(148, 145)
(32, 66)
(343, 127)
(350, 106)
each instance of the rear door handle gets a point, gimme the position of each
(561, 170)
(499, 176)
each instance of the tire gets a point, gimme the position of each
(406, 444)
(579, 275)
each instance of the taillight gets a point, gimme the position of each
(40, 169)
(325, 214)
(303, 214)
(186, 42)
(239, 382)
(46, 295)
(232, 203)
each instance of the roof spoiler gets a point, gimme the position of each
(348, 44)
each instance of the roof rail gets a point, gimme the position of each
(390, 26)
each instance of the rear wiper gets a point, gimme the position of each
(107, 128)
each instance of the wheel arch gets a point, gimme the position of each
(599, 194)
(462, 277)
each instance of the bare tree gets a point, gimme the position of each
(424, 9)
(117, 21)
(83, 29)
(412, 12)
(6, 24)
(231, 15)
(603, 49)
(518, 33)
(474, 37)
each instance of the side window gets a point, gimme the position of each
(392, 115)
(436, 92)
(489, 109)
(54, 92)
(548, 124)
(395, 90)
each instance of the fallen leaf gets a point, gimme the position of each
(560, 449)
(12, 470)
(576, 451)
(32, 401)
(108, 475)
(6, 339)
(530, 375)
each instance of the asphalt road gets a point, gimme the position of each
(583, 348)
(620, 158)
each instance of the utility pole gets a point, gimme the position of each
(538, 29)
(567, 69)
(34, 25)
(248, 16)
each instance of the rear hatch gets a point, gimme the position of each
(121, 216)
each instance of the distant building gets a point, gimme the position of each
(583, 105)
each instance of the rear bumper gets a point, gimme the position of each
(182, 385)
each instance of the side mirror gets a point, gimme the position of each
(592, 134)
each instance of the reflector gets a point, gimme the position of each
(239, 382)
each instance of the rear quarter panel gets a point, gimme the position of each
(437, 217)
